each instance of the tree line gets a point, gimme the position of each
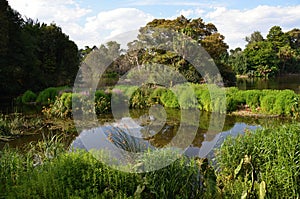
(33, 55)
(277, 54)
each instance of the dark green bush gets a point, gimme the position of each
(28, 96)
(49, 95)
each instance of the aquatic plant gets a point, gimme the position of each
(262, 162)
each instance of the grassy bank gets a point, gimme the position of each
(60, 174)
(208, 98)
(261, 164)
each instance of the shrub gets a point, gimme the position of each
(169, 99)
(286, 103)
(48, 96)
(102, 102)
(252, 98)
(28, 96)
(141, 97)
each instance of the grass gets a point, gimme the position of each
(17, 124)
(260, 164)
(79, 175)
(266, 158)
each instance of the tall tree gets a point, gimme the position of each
(204, 34)
(254, 37)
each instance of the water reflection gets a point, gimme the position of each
(157, 135)
(284, 82)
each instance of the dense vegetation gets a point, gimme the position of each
(261, 164)
(264, 102)
(49, 171)
(41, 62)
(33, 55)
(277, 54)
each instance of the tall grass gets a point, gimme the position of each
(262, 162)
(79, 175)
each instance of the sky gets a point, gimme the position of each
(94, 22)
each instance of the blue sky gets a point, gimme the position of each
(92, 22)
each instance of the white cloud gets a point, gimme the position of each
(85, 29)
(75, 22)
(235, 24)
(109, 24)
(167, 2)
(48, 11)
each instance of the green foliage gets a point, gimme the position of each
(62, 106)
(169, 99)
(200, 32)
(102, 102)
(28, 96)
(33, 55)
(79, 175)
(49, 95)
(277, 54)
(140, 97)
(17, 124)
(265, 161)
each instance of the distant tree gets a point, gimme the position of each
(254, 37)
(238, 61)
(262, 58)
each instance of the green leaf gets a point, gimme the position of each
(262, 190)
(239, 167)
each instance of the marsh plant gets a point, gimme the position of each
(79, 175)
(18, 124)
(264, 162)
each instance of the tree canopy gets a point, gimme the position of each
(33, 55)
(204, 34)
(276, 54)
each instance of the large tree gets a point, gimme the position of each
(33, 55)
(160, 31)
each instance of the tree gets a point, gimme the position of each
(262, 58)
(254, 37)
(33, 55)
(238, 61)
(203, 34)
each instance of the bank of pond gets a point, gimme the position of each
(260, 164)
(210, 98)
(251, 137)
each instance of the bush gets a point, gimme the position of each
(141, 97)
(48, 95)
(263, 161)
(102, 102)
(286, 103)
(28, 96)
(252, 98)
(169, 99)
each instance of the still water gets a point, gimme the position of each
(209, 134)
(284, 82)
(210, 130)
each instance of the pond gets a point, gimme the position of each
(140, 127)
(283, 82)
